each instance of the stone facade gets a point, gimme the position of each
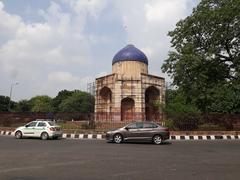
(129, 93)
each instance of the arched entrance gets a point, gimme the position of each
(152, 95)
(105, 101)
(127, 109)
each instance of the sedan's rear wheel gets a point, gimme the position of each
(157, 139)
(18, 135)
(44, 136)
(118, 138)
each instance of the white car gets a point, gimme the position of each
(39, 128)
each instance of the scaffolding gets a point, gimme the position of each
(91, 88)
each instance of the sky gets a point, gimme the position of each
(47, 46)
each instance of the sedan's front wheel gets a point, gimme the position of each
(44, 136)
(157, 139)
(18, 135)
(118, 138)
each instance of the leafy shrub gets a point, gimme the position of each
(170, 124)
(186, 122)
(89, 125)
(211, 127)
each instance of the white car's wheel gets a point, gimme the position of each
(157, 139)
(44, 136)
(118, 138)
(18, 135)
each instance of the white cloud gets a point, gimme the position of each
(8, 23)
(148, 51)
(148, 23)
(32, 52)
(89, 7)
(59, 80)
(62, 77)
(58, 52)
(165, 11)
(103, 73)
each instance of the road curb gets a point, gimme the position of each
(205, 137)
(172, 137)
(83, 136)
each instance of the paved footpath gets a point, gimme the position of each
(35, 159)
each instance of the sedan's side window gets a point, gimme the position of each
(132, 126)
(41, 124)
(139, 125)
(149, 125)
(32, 124)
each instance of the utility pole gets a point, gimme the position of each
(9, 104)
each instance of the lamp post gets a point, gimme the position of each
(9, 104)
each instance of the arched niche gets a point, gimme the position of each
(152, 96)
(127, 109)
(105, 99)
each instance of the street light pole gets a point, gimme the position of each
(9, 104)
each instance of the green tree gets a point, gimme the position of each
(176, 103)
(23, 106)
(180, 114)
(41, 104)
(207, 52)
(62, 95)
(225, 99)
(79, 101)
(4, 102)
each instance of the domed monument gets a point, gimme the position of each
(129, 93)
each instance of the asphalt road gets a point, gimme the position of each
(34, 159)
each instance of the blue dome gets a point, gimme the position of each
(130, 53)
